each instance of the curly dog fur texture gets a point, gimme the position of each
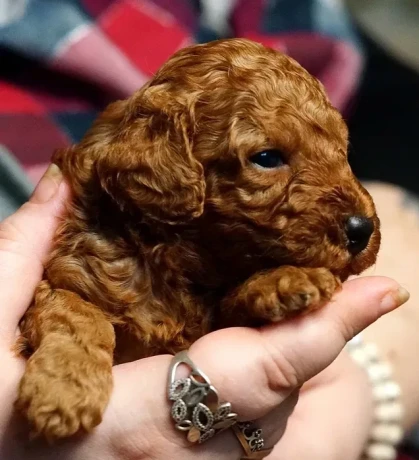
(173, 232)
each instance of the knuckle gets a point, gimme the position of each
(281, 374)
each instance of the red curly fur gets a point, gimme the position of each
(172, 232)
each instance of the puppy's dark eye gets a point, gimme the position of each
(268, 159)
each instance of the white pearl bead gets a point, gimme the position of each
(360, 357)
(371, 350)
(391, 434)
(381, 452)
(356, 341)
(378, 372)
(386, 390)
(388, 412)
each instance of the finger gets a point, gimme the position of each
(275, 424)
(256, 370)
(25, 239)
(322, 335)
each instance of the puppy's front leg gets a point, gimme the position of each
(68, 378)
(278, 294)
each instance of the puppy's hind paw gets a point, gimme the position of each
(60, 402)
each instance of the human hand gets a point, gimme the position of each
(258, 371)
(333, 417)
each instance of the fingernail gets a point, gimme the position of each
(394, 299)
(48, 185)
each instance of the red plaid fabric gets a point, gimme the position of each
(42, 108)
(100, 50)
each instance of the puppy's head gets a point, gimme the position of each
(240, 140)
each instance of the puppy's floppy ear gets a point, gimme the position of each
(149, 163)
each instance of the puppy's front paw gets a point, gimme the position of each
(63, 395)
(290, 290)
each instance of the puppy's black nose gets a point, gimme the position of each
(358, 230)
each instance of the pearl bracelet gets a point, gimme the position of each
(386, 432)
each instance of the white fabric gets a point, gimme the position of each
(11, 10)
(216, 14)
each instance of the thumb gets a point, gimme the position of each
(313, 342)
(25, 240)
(257, 369)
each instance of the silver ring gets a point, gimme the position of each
(196, 408)
(251, 440)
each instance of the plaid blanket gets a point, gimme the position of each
(62, 61)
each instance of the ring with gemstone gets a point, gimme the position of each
(196, 408)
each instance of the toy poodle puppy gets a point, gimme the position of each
(218, 195)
